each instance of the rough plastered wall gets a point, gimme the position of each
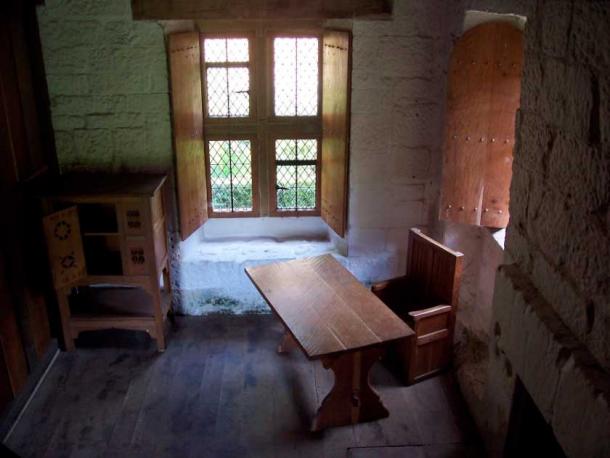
(551, 312)
(107, 80)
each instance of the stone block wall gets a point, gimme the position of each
(107, 79)
(551, 312)
(560, 217)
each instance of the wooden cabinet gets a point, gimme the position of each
(107, 244)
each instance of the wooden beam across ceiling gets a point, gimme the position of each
(260, 9)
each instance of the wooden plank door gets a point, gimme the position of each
(483, 97)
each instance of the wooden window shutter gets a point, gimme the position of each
(336, 71)
(187, 117)
(483, 97)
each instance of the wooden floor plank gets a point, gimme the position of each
(221, 390)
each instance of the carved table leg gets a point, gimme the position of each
(351, 399)
(287, 344)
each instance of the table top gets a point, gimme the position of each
(325, 308)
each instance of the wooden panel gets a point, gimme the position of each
(325, 307)
(160, 236)
(336, 61)
(483, 96)
(187, 117)
(157, 207)
(432, 357)
(433, 269)
(259, 9)
(433, 324)
(66, 256)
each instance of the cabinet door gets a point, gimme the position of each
(66, 256)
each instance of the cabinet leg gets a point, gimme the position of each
(160, 338)
(159, 318)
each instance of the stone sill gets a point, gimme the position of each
(499, 235)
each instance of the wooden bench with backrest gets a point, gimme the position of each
(426, 298)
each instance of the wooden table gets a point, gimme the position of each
(334, 318)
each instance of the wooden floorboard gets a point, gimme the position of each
(221, 390)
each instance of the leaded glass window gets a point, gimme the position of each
(230, 163)
(227, 77)
(295, 76)
(296, 174)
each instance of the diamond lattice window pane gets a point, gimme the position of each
(286, 182)
(284, 76)
(307, 76)
(296, 174)
(239, 95)
(228, 93)
(237, 50)
(295, 76)
(215, 49)
(220, 175)
(217, 92)
(306, 189)
(231, 175)
(307, 150)
(285, 150)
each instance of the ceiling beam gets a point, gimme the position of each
(260, 9)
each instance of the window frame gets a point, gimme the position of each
(254, 165)
(262, 127)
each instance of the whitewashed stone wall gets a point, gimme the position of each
(107, 80)
(398, 93)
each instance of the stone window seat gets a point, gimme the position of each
(212, 277)
(209, 276)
